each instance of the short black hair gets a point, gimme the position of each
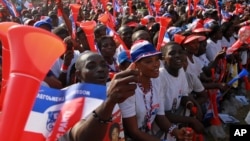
(225, 26)
(214, 29)
(164, 48)
(61, 32)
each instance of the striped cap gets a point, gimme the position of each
(141, 49)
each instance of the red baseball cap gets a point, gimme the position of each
(191, 38)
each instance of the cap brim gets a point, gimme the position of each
(198, 30)
(124, 60)
(148, 55)
(132, 24)
(194, 37)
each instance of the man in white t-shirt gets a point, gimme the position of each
(175, 87)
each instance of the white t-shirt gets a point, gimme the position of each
(204, 60)
(135, 105)
(113, 67)
(196, 67)
(174, 88)
(194, 83)
(56, 68)
(226, 43)
(213, 49)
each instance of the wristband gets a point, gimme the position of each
(171, 129)
(189, 102)
(102, 121)
(64, 67)
(64, 71)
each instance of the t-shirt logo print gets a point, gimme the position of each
(174, 105)
(52, 116)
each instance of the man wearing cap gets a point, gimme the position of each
(191, 45)
(195, 65)
(211, 14)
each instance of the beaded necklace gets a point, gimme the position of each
(149, 111)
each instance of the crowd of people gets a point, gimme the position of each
(161, 93)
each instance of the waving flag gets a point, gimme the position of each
(74, 11)
(59, 110)
(117, 7)
(166, 38)
(225, 15)
(109, 32)
(9, 5)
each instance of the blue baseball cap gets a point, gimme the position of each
(141, 49)
(43, 22)
(123, 56)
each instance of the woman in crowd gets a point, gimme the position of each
(107, 47)
(146, 105)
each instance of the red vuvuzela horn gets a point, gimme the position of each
(147, 2)
(164, 22)
(144, 21)
(104, 18)
(75, 10)
(212, 97)
(30, 61)
(244, 37)
(130, 6)
(104, 4)
(88, 28)
(157, 5)
(4, 26)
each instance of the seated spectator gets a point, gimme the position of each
(146, 105)
(173, 78)
(91, 68)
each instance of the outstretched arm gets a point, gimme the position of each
(94, 128)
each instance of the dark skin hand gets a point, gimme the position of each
(67, 57)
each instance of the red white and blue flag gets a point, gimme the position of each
(117, 7)
(9, 5)
(73, 26)
(166, 38)
(225, 15)
(56, 111)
